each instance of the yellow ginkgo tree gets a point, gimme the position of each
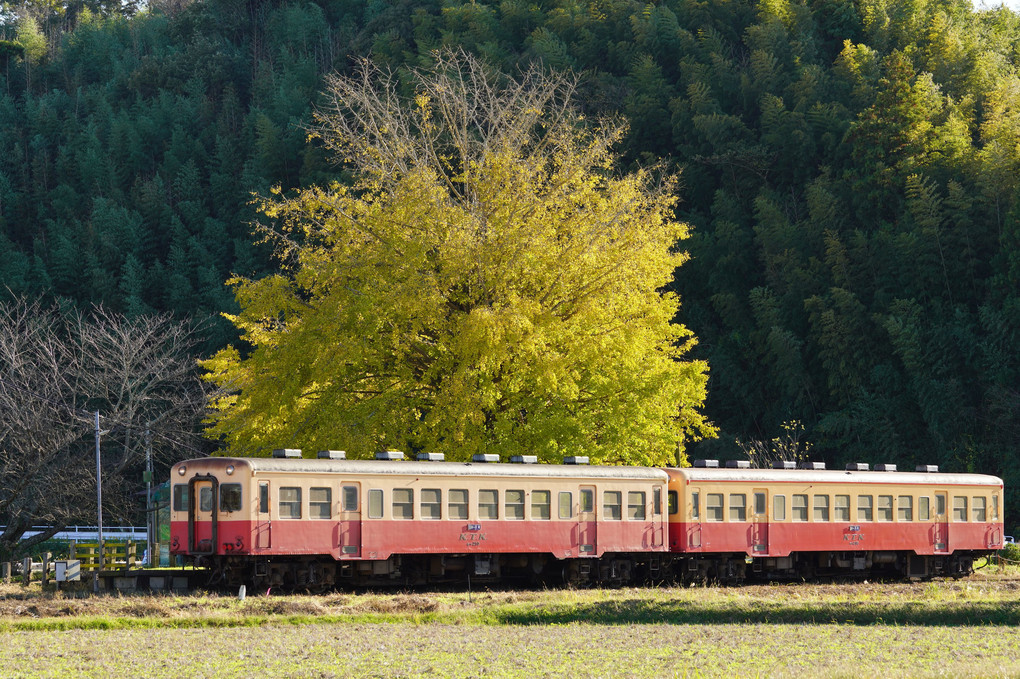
(486, 284)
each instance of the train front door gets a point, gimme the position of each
(587, 522)
(940, 536)
(350, 520)
(263, 524)
(760, 521)
(202, 514)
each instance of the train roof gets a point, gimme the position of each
(809, 476)
(409, 468)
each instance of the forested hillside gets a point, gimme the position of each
(851, 171)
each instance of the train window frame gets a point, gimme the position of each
(979, 514)
(841, 508)
(884, 508)
(905, 508)
(760, 503)
(320, 502)
(181, 497)
(695, 505)
(431, 504)
(657, 501)
(513, 504)
(714, 507)
(402, 504)
(349, 498)
(376, 503)
(457, 504)
(565, 501)
(820, 508)
(924, 508)
(488, 509)
(230, 497)
(264, 497)
(737, 505)
(541, 509)
(612, 505)
(940, 505)
(995, 506)
(959, 509)
(865, 507)
(779, 507)
(205, 499)
(636, 507)
(292, 503)
(799, 508)
(586, 500)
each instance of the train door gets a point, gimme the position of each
(203, 515)
(587, 522)
(759, 521)
(694, 525)
(263, 524)
(941, 531)
(350, 519)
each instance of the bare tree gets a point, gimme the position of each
(790, 446)
(57, 367)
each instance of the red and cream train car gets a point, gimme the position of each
(299, 523)
(306, 522)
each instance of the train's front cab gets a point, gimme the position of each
(211, 512)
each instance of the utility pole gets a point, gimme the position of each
(99, 507)
(150, 521)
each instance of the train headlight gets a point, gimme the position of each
(230, 469)
(181, 470)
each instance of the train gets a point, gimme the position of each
(303, 524)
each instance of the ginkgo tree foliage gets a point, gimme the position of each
(488, 283)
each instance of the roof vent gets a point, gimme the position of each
(575, 459)
(927, 468)
(812, 465)
(784, 464)
(389, 455)
(524, 459)
(485, 457)
(738, 464)
(332, 455)
(885, 467)
(857, 466)
(430, 457)
(703, 464)
(287, 452)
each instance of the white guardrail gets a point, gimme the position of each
(91, 533)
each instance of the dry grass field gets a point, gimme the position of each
(964, 628)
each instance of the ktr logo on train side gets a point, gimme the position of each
(853, 534)
(472, 535)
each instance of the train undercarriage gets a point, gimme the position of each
(320, 573)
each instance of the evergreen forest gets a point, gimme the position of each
(850, 170)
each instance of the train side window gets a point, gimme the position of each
(978, 508)
(541, 505)
(714, 507)
(995, 507)
(940, 504)
(799, 508)
(403, 503)
(636, 506)
(924, 508)
(821, 508)
(349, 495)
(960, 508)
(885, 507)
(841, 508)
(759, 504)
(181, 497)
(612, 505)
(375, 503)
(738, 507)
(230, 497)
(657, 502)
(865, 508)
(457, 503)
(695, 504)
(513, 505)
(263, 498)
(431, 504)
(905, 508)
(205, 503)
(566, 504)
(320, 503)
(587, 500)
(779, 508)
(488, 504)
(290, 502)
